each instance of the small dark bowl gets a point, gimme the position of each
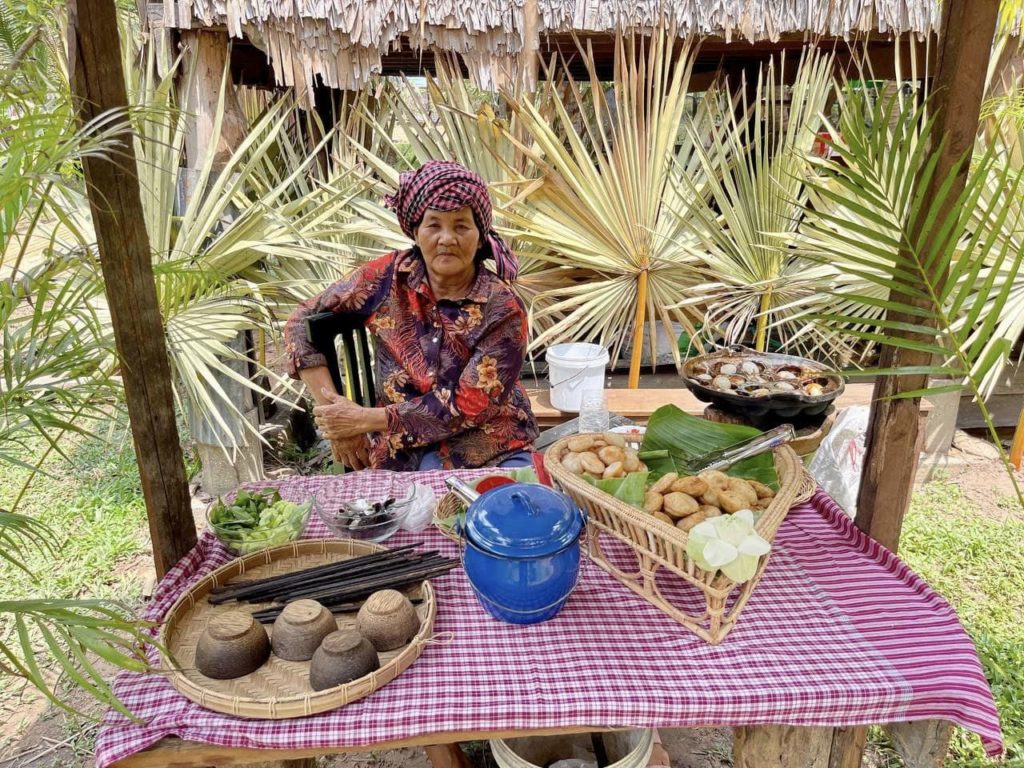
(388, 620)
(774, 407)
(342, 657)
(299, 630)
(233, 644)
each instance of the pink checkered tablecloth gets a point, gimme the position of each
(839, 632)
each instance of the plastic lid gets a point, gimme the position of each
(523, 520)
(576, 352)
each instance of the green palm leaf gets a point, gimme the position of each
(608, 197)
(943, 270)
(755, 165)
(71, 633)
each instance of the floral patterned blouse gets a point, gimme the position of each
(447, 372)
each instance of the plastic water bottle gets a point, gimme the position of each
(594, 411)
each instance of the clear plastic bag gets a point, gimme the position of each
(421, 511)
(838, 462)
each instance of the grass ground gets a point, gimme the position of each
(964, 538)
(972, 555)
(96, 508)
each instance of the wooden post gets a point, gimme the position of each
(1017, 448)
(97, 78)
(893, 439)
(205, 62)
(207, 57)
(890, 461)
(529, 57)
(921, 744)
(781, 746)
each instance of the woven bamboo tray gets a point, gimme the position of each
(658, 545)
(279, 689)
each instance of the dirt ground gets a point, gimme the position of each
(37, 735)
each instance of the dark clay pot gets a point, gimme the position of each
(233, 644)
(300, 629)
(343, 656)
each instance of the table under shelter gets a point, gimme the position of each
(838, 633)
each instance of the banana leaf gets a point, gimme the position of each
(629, 489)
(686, 437)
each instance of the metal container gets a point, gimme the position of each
(753, 396)
(521, 549)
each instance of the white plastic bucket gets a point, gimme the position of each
(573, 368)
(627, 749)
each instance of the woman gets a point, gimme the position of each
(450, 338)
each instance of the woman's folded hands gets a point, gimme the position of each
(346, 425)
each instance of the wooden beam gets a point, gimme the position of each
(206, 57)
(890, 461)
(97, 78)
(529, 56)
(894, 433)
(172, 752)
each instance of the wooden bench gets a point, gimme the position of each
(922, 744)
(639, 404)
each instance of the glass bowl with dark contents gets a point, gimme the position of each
(370, 520)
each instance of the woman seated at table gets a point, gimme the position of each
(450, 338)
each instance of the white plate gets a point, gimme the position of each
(630, 429)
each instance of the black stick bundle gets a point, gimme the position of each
(338, 586)
(249, 591)
(345, 600)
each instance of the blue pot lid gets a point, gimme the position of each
(523, 520)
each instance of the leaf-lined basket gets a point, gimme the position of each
(660, 547)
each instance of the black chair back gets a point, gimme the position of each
(322, 331)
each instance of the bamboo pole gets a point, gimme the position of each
(1017, 449)
(638, 330)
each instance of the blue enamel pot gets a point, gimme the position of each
(521, 549)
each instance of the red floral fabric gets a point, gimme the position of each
(446, 371)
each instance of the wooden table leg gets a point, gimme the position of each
(446, 756)
(922, 743)
(848, 746)
(781, 746)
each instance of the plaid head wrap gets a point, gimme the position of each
(441, 185)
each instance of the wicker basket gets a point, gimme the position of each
(449, 506)
(658, 545)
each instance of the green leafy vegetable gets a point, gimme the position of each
(686, 437)
(258, 519)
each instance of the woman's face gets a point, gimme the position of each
(449, 241)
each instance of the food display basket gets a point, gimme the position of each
(660, 549)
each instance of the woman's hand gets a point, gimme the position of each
(353, 452)
(341, 419)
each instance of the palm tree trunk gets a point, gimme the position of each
(638, 330)
(761, 335)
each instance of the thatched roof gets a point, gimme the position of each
(343, 41)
